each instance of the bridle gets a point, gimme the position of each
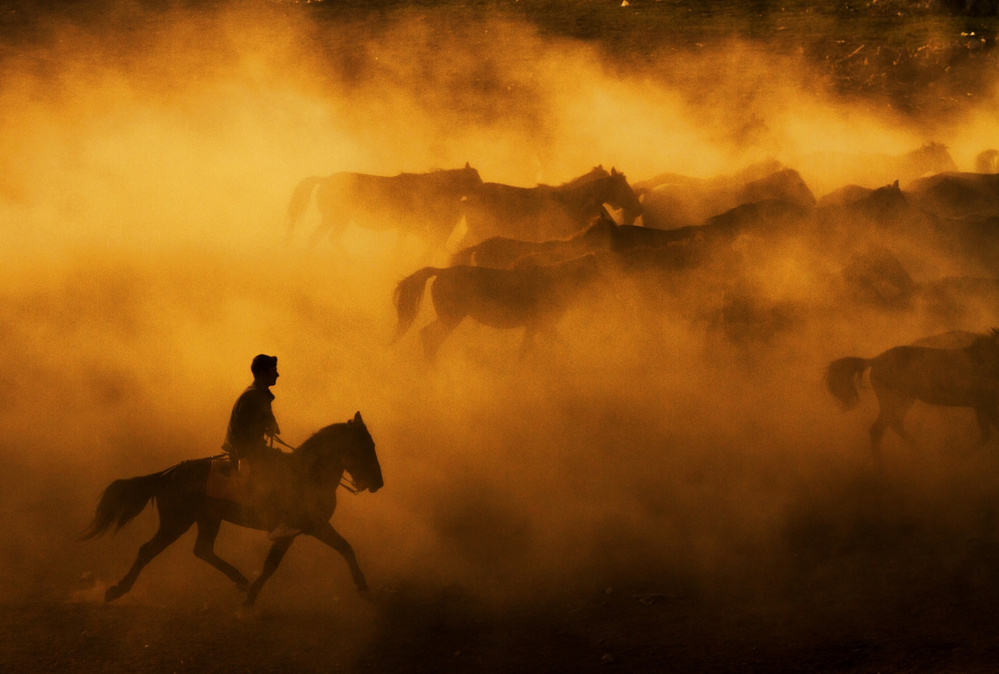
(345, 481)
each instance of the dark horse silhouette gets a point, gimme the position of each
(427, 205)
(546, 212)
(602, 234)
(180, 494)
(965, 377)
(533, 297)
(503, 252)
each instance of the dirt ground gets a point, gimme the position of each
(645, 495)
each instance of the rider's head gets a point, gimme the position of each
(264, 369)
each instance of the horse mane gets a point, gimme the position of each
(597, 173)
(597, 224)
(312, 446)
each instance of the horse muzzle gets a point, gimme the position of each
(368, 484)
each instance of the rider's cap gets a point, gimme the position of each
(262, 363)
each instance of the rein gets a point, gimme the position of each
(345, 481)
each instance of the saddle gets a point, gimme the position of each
(223, 485)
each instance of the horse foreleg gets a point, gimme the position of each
(328, 535)
(204, 548)
(274, 557)
(166, 535)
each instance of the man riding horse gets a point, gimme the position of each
(251, 424)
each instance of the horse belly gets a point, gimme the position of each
(968, 394)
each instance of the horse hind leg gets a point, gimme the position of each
(168, 532)
(892, 414)
(329, 226)
(204, 548)
(878, 432)
(434, 334)
(896, 411)
(987, 415)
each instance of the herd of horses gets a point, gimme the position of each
(530, 254)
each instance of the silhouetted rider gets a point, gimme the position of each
(252, 420)
(251, 423)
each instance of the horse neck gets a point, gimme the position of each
(329, 455)
(585, 197)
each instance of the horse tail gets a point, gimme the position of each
(121, 502)
(841, 379)
(300, 200)
(408, 296)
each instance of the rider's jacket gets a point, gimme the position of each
(251, 420)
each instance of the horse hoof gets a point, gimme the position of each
(113, 593)
(246, 610)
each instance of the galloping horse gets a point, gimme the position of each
(503, 252)
(546, 212)
(425, 204)
(182, 498)
(966, 377)
(827, 171)
(532, 297)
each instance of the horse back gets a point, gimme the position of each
(527, 213)
(937, 376)
(426, 195)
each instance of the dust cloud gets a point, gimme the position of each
(149, 158)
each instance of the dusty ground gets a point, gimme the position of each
(642, 497)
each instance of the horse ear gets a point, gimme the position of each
(357, 418)
(467, 165)
(613, 171)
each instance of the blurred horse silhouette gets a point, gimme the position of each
(965, 377)
(182, 497)
(546, 212)
(532, 297)
(827, 171)
(503, 252)
(427, 205)
(603, 233)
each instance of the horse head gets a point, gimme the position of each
(343, 447)
(621, 196)
(468, 177)
(360, 460)
(932, 157)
